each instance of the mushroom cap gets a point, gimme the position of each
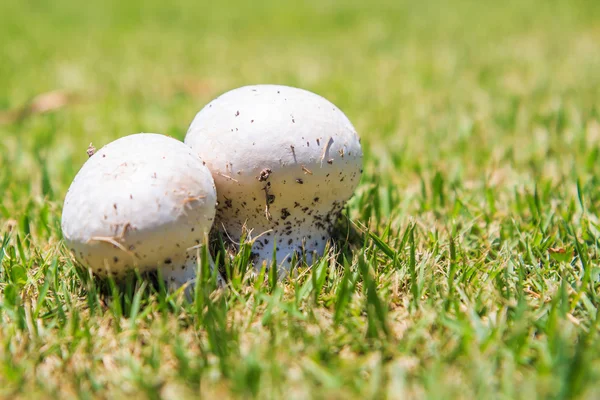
(139, 202)
(284, 161)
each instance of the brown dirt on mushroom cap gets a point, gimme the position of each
(91, 150)
(306, 170)
(264, 174)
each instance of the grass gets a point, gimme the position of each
(477, 268)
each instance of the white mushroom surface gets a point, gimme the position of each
(284, 161)
(140, 202)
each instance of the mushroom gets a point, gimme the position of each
(284, 161)
(144, 201)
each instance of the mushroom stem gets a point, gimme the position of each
(183, 273)
(303, 248)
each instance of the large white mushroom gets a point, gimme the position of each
(143, 201)
(284, 161)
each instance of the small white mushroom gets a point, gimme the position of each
(284, 161)
(142, 201)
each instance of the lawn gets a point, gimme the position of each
(474, 269)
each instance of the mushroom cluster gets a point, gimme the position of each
(281, 162)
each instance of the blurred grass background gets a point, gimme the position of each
(453, 83)
(480, 120)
